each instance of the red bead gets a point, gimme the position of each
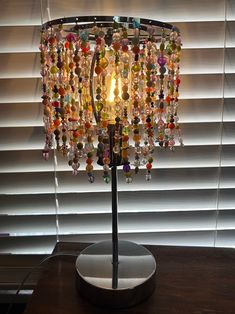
(116, 46)
(89, 161)
(124, 48)
(75, 134)
(52, 40)
(85, 49)
(98, 41)
(136, 49)
(177, 81)
(55, 104)
(149, 166)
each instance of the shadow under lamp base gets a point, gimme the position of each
(107, 284)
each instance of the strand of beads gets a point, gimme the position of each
(161, 135)
(86, 104)
(136, 110)
(70, 87)
(45, 98)
(62, 91)
(176, 60)
(150, 99)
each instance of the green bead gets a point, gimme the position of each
(106, 179)
(162, 46)
(89, 155)
(99, 106)
(80, 146)
(54, 69)
(136, 68)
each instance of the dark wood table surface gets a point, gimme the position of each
(190, 280)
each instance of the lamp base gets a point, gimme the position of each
(116, 286)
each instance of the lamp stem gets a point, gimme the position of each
(114, 226)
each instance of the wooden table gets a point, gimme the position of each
(190, 280)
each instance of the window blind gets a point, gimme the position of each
(190, 200)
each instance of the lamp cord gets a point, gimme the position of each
(20, 286)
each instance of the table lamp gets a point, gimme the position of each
(110, 94)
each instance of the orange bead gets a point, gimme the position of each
(124, 153)
(56, 122)
(105, 124)
(89, 161)
(98, 69)
(71, 65)
(61, 91)
(106, 160)
(168, 98)
(125, 138)
(87, 125)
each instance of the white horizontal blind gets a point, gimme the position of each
(179, 206)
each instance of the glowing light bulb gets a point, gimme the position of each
(112, 88)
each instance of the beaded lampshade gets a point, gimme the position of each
(110, 91)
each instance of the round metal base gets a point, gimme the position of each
(117, 286)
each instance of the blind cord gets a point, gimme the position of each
(221, 127)
(8, 311)
(47, 10)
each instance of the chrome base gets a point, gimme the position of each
(117, 286)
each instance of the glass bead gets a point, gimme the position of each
(89, 168)
(116, 149)
(148, 177)
(136, 162)
(54, 69)
(106, 167)
(91, 178)
(136, 170)
(104, 63)
(126, 168)
(45, 154)
(181, 142)
(106, 179)
(167, 131)
(129, 180)
(136, 68)
(75, 166)
(144, 161)
(70, 37)
(161, 61)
